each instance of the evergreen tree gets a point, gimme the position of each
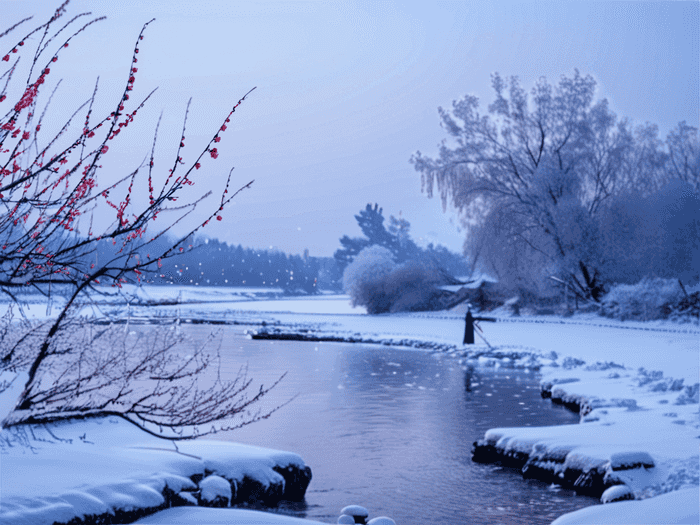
(397, 240)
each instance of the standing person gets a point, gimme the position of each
(470, 322)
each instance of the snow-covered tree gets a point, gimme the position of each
(412, 286)
(364, 277)
(684, 155)
(371, 222)
(536, 174)
(374, 280)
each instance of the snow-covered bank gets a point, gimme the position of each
(676, 507)
(635, 384)
(189, 516)
(79, 470)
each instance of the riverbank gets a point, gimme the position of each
(635, 385)
(108, 471)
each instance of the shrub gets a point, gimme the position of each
(375, 281)
(411, 287)
(643, 301)
(363, 279)
(684, 310)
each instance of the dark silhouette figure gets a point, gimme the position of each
(470, 323)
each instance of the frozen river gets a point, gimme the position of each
(392, 430)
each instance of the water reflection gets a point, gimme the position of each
(392, 430)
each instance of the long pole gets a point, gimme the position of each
(485, 341)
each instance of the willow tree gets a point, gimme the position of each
(533, 175)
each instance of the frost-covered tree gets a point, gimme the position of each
(374, 280)
(400, 229)
(684, 155)
(350, 247)
(533, 177)
(412, 286)
(364, 278)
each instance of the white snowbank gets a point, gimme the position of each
(621, 443)
(189, 516)
(333, 304)
(675, 507)
(79, 468)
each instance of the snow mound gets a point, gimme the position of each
(630, 460)
(381, 520)
(190, 515)
(214, 487)
(355, 510)
(188, 497)
(617, 493)
(675, 507)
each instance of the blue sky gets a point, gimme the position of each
(347, 91)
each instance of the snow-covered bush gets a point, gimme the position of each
(375, 281)
(687, 309)
(644, 301)
(411, 287)
(364, 278)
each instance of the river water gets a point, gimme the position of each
(392, 430)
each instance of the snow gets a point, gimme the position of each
(610, 444)
(11, 386)
(638, 384)
(327, 305)
(381, 520)
(617, 492)
(676, 507)
(214, 487)
(77, 468)
(355, 510)
(189, 515)
(236, 461)
(627, 459)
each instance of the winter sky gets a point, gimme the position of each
(347, 91)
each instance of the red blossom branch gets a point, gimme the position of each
(49, 194)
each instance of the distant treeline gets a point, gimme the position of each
(210, 262)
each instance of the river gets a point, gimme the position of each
(392, 429)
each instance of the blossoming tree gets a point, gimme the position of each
(51, 190)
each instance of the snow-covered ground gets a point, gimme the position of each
(637, 383)
(80, 468)
(189, 516)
